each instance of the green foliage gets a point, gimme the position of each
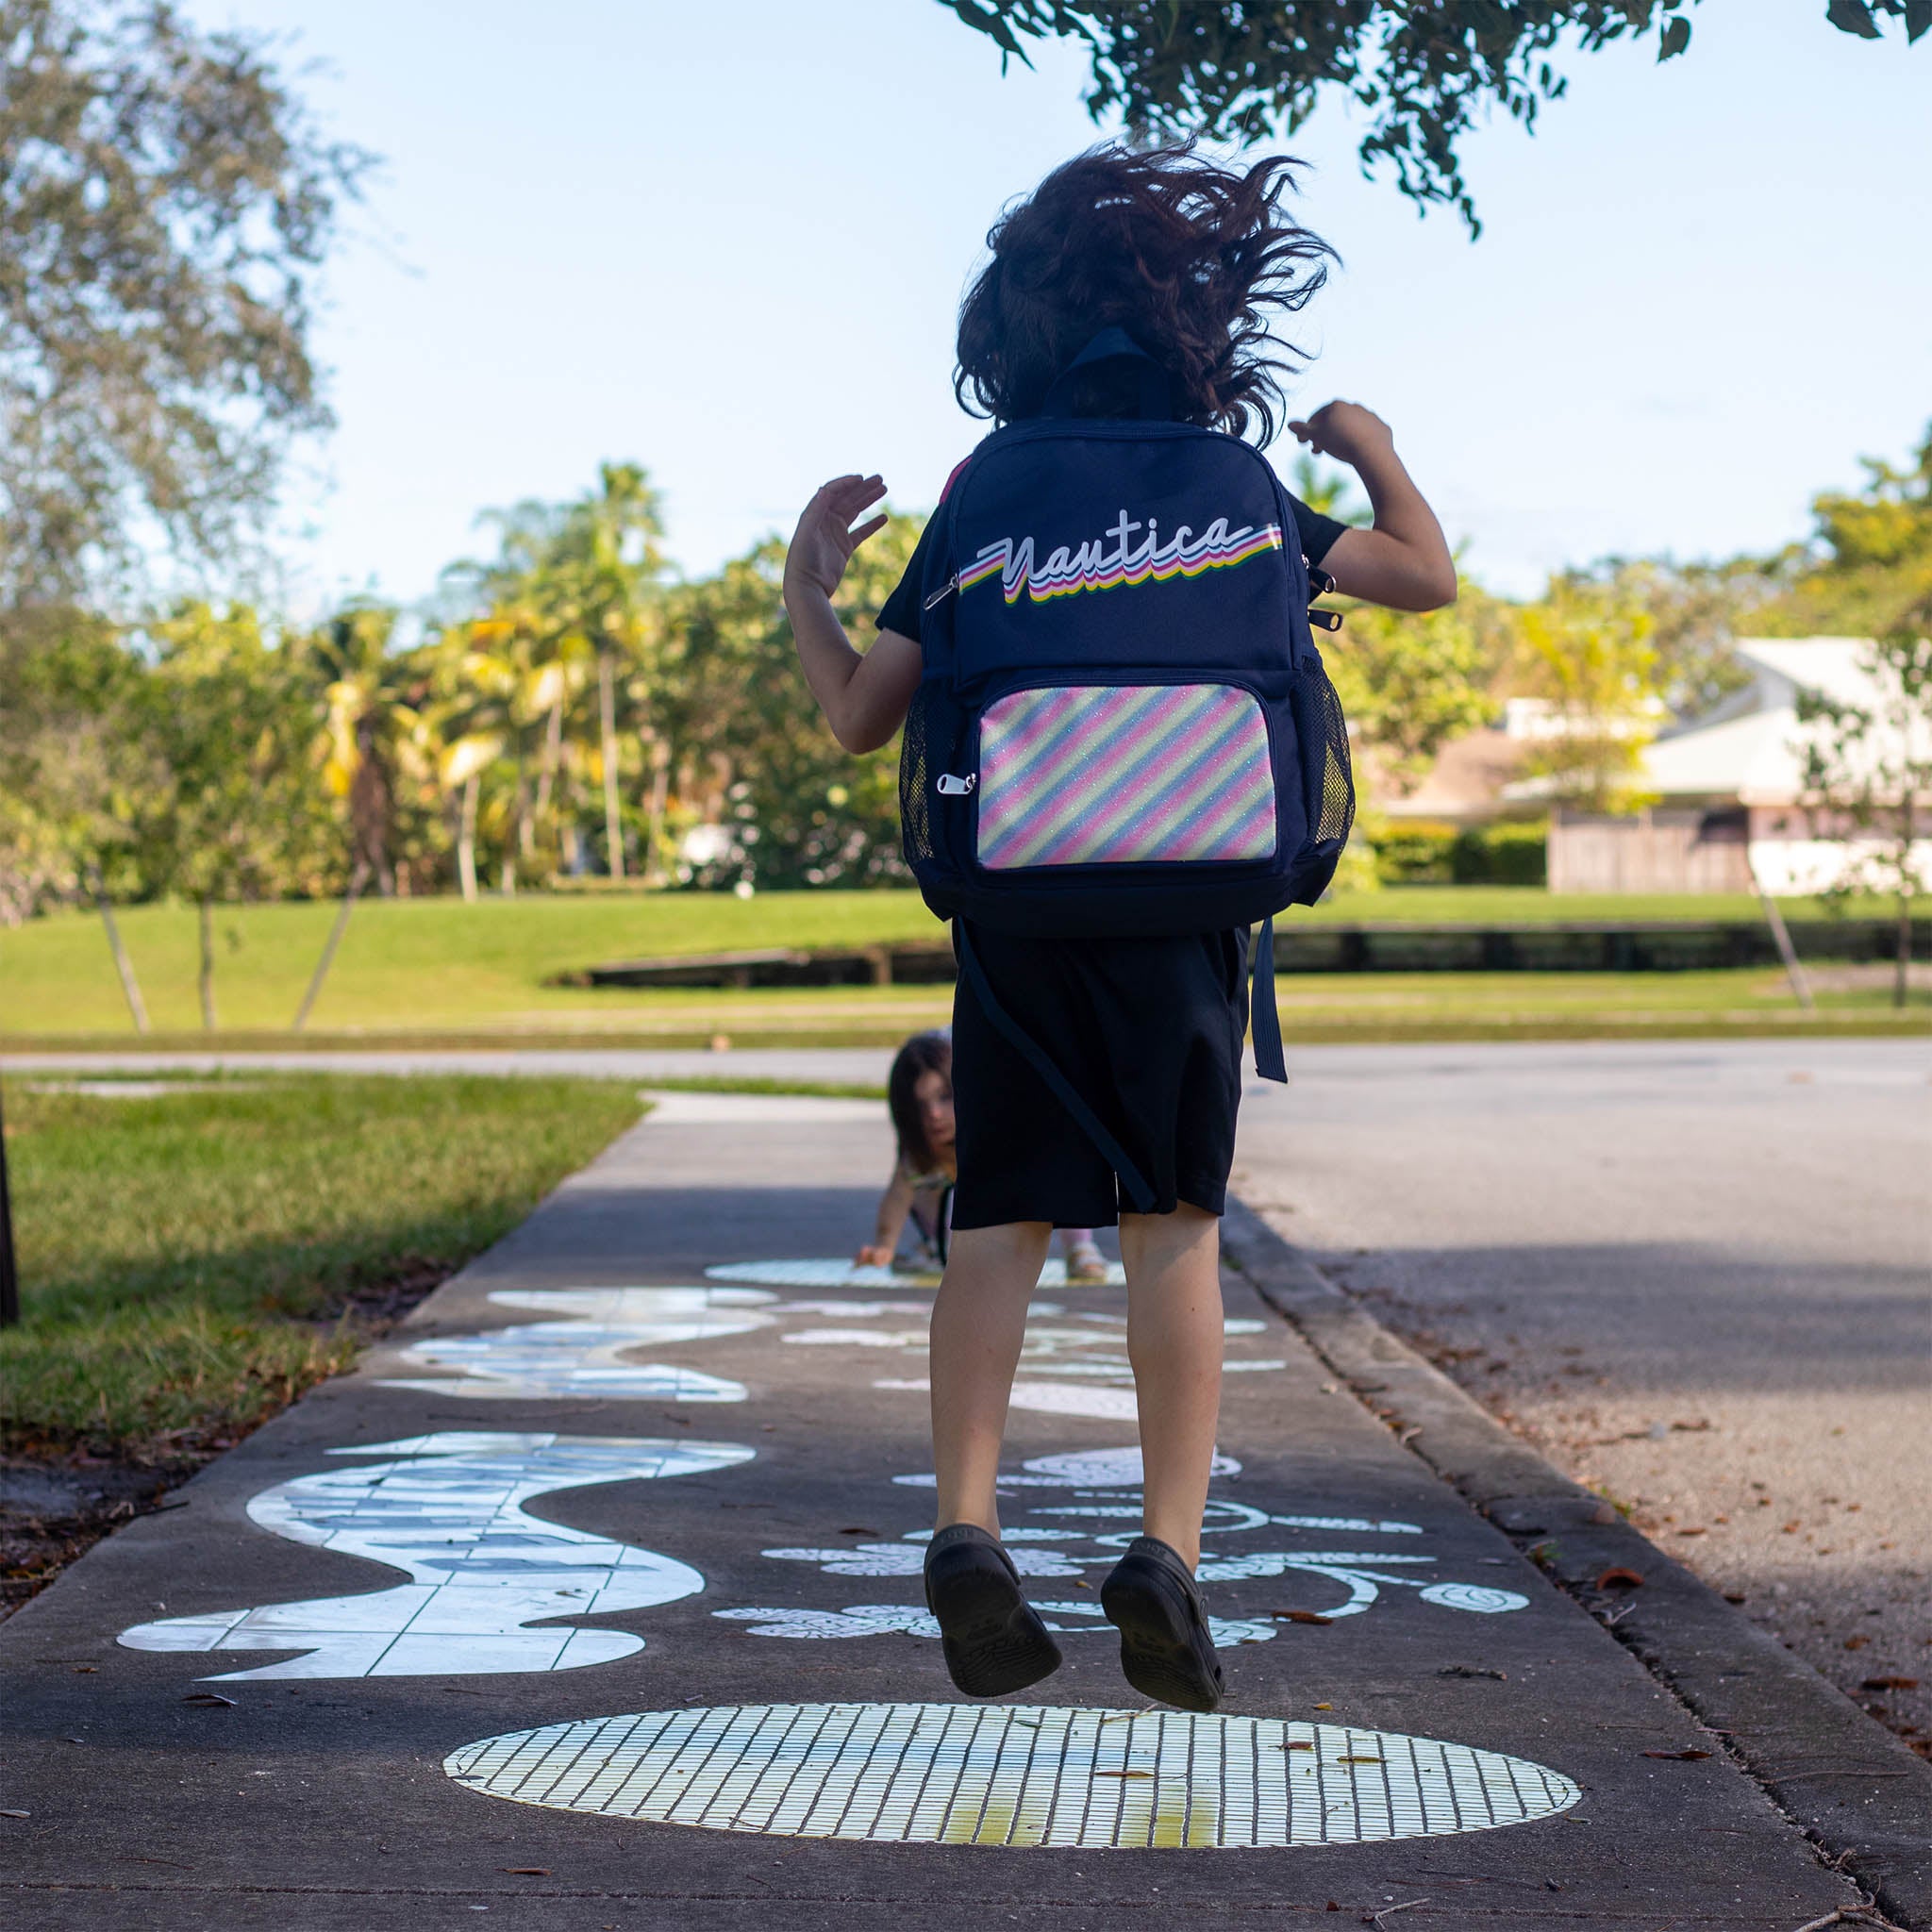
(164, 204)
(1415, 854)
(1421, 75)
(1410, 682)
(797, 809)
(1588, 650)
(1868, 772)
(183, 1257)
(1870, 563)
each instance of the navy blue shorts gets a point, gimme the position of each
(1149, 1032)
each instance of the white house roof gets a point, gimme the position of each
(1753, 753)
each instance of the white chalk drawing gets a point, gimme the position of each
(1013, 1775)
(833, 1271)
(1081, 1539)
(888, 1620)
(449, 1510)
(583, 1355)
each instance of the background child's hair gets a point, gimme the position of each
(1191, 259)
(924, 1053)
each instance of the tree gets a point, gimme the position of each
(240, 817)
(793, 809)
(1589, 651)
(1424, 71)
(1869, 564)
(1868, 776)
(165, 202)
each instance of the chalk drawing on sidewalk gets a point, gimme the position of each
(1013, 1776)
(833, 1271)
(583, 1355)
(1084, 1537)
(449, 1509)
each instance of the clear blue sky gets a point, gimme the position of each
(729, 244)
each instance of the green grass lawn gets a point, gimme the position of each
(190, 1263)
(437, 968)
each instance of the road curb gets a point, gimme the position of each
(1855, 1791)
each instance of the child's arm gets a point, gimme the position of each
(895, 1204)
(864, 699)
(1403, 561)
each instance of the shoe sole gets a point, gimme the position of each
(1161, 1643)
(992, 1636)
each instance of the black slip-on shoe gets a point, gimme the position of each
(1166, 1651)
(992, 1636)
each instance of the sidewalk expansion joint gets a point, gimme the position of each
(1853, 1790)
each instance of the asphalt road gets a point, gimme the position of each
(1693, 1274)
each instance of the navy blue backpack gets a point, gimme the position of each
(1124, 725)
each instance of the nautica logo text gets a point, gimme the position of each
(1116, 558)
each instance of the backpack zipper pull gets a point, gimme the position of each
(950, 787)
(944, 590)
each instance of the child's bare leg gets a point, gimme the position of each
(979, 1322)
(1174, 1341)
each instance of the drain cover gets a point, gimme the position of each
(953, 1773)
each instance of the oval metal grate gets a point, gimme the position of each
(1014, 1776)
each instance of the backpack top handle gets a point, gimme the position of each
(1114, 345)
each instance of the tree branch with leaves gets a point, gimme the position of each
(1423, 72)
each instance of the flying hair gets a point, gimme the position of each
(1195, 260)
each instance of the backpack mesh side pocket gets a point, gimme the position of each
(1332, 803)
(918, 766)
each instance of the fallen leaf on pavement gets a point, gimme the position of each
(209, 1699)
(1324, 1707)
(15, 1814)
(1618, 1577)
(1297, 1745)
(1359, 1758)
(1697, 1529)
(1889, 1683)
(1471, 1670)
(525, 1870)
(1857, 1642)
(1121, 1773)
(1300, 1616)
(857, 1529)
(1687, 1756)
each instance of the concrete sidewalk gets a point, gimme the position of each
(384, 1665)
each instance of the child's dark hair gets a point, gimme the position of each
(1190, 257)
(924, 1053)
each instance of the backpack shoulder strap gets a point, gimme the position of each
(1271, 1061)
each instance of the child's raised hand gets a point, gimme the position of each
(826, 537)
(1348, 431)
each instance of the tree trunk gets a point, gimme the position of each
(466, 839)
(546, 769)
(654, 820)
(358, 879)
(1902, 970)
(607, 705)
(205, 981)
(130, 987)
(526, 825)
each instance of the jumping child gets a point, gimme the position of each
(1193, 261)
(919, 1096)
